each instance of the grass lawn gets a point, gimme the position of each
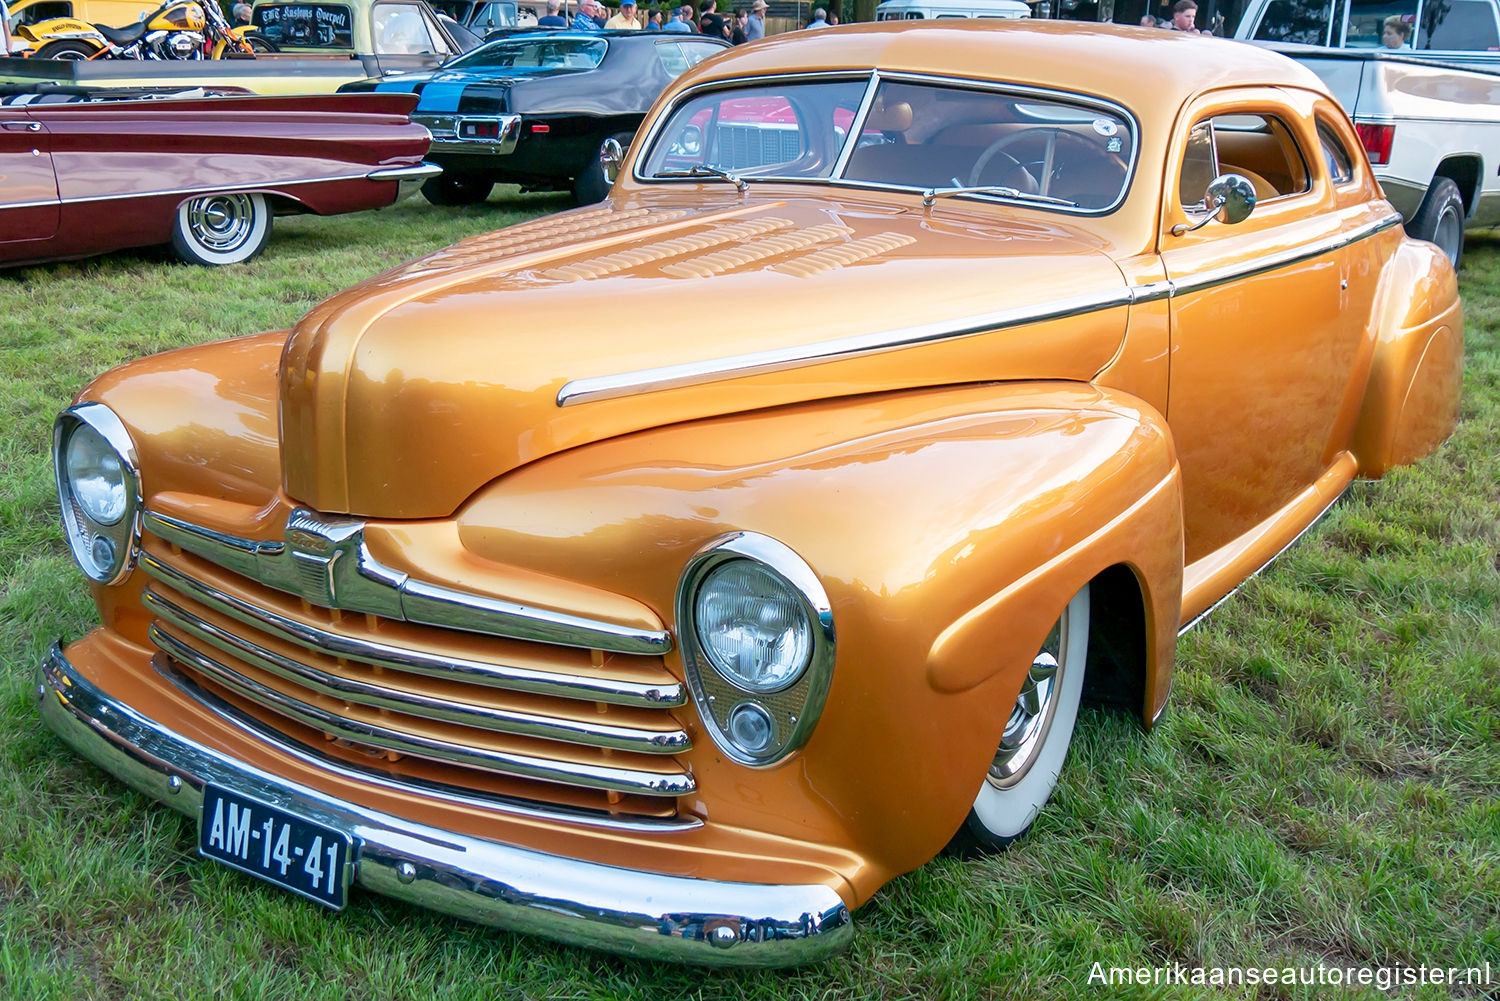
(1323, 788)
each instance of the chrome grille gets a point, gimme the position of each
(545, 723)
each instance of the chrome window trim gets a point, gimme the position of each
(808, 692)
(609, 387)
(125, 533)
(414, 660)
(380, 696)
(325, 561)
(607, 778)
(469, 799)
(660, 121)
(878, 77)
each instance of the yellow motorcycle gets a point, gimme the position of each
(178, 29)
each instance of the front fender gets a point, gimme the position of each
(949, 528)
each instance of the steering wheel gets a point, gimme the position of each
(1048, 164)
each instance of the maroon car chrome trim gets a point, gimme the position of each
(216, 189)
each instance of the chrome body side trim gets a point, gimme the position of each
(643, 914)
(367, 693)
(609, 387)
(612, 779)
(415, 660)
(325, 561)
(266, 185)
(1285, 258)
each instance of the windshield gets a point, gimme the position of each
(1070, 153)
(541, 52)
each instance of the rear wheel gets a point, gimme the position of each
(1440, 220)
(1035, 741)
(65, 49)
(457, 189)
(221, 229)
(591, 185)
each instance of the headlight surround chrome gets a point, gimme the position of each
(757, 639)
(98, 488)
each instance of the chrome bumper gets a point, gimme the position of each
(409, 179)
(642, 914)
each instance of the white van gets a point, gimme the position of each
(918, 10)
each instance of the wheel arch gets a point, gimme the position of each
(1465, 170)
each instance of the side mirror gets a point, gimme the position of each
(1230, 199)
(611, 155)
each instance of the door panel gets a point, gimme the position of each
(28, 186)
(1260, 361)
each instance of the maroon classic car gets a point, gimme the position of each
(84, 172)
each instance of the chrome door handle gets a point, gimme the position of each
(21, 126)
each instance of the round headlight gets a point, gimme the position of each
(753, 626)
(96, 476)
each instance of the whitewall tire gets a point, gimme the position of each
(1037, 735)
(228, 228)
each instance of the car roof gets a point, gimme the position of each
(1137, 67)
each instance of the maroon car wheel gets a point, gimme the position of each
(228, 228)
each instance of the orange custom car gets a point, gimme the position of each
(668, 575)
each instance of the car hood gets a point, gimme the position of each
(402, 396)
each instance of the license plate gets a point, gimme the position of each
(297, 854)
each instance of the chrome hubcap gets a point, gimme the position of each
(221, 223)
(1028, 721)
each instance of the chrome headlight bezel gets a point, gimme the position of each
(793, 706)
(88, 538)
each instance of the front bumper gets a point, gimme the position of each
(641, 914)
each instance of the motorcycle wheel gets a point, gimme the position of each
(260, 43)
(66, 49)
(228, 228)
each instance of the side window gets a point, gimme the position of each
(306, 26)
(696, 52)
(672, 59)
(1302, 21)
(401, 30)
(1335, 155)
(1367, 24)
(1462, 25)
(1259, 147)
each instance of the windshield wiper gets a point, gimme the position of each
(703, 170)
(933, 194)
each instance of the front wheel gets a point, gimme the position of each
(1440, 220)
(457, 189)
(66, 49)
(1035, 741)
(221, 229)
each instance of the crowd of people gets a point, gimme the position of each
(1184, 18)
(744, 24)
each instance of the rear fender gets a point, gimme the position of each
(1411, 399)
(949, 528)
